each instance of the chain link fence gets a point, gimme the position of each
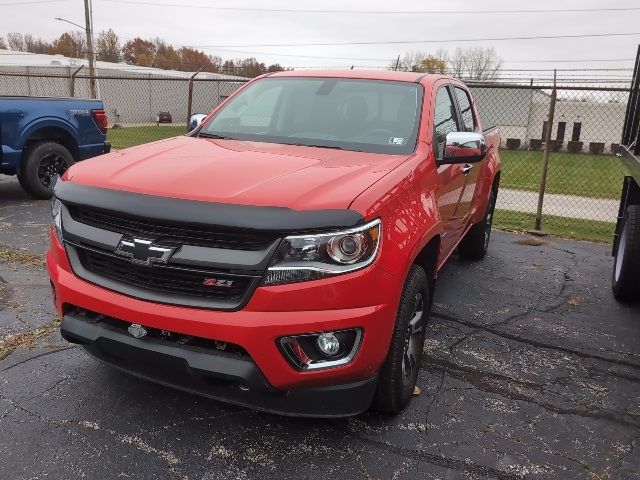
(141, 108)
(584, 176)
(580, 194)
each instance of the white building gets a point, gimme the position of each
(593, 116)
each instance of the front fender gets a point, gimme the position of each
(406, 201)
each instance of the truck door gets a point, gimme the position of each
(468, 123)
(452, 178)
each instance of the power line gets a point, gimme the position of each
(320, 57)
(571, 61)
(403, 42)
(18, 4)
(360, 59)
(19, 53)
(376, 12)
(250, 52)
(567, 69)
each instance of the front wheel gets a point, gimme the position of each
(398, 375)
(626, 267)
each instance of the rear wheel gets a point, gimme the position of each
(42, 163)
(398, 375)
(626, 267)
(475, 243)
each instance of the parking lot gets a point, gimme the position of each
(532, 370)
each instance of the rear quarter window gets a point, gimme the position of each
(466, 110)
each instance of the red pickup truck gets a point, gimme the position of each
(282, 255)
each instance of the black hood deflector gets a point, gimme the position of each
(194, 212)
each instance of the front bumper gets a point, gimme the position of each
(213, 374)
(367, 299)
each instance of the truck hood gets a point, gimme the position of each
(238, 172)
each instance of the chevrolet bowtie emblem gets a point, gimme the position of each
(144, 252)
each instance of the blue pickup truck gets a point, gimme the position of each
(41, 137)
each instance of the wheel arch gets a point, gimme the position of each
(52, 130)
(429, 255)
(495, 185)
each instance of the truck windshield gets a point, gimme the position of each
(362, 115)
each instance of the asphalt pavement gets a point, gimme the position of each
(531, 370)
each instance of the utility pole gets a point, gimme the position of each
(89, 30)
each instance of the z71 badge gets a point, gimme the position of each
(216, 282)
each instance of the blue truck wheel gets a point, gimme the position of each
(42, 163)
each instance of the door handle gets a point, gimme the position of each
(467, 168)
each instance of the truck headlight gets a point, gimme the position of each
(56, 218)
(309, 257)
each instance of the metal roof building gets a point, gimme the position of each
(132, 94)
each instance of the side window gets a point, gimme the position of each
(466, 112)
(445, 118)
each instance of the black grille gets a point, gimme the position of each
(183, 234)
(163, 278)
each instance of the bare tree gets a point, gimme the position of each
(36, 45)
(409, 61)
(3, 46)
(457, 63)
(16, 42)
(483, 63)
(475, 63)
(108, 47)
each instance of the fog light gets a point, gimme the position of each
(321, 350)
(328, 344)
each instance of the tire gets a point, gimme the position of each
(475, 243)
(625, 279)
(399, 372)
(42, 162)
(21, 182)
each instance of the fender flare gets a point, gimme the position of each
(46, 122)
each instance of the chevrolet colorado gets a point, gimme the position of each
(283, 254)
(40, 137)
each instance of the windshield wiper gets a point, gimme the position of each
(333, 147)
(215, 135)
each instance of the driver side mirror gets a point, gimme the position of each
(464, 147)
(195, 120)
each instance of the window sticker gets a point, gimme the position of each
(396, 141)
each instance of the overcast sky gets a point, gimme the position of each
(200, 27)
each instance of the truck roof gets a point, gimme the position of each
(361, 74)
